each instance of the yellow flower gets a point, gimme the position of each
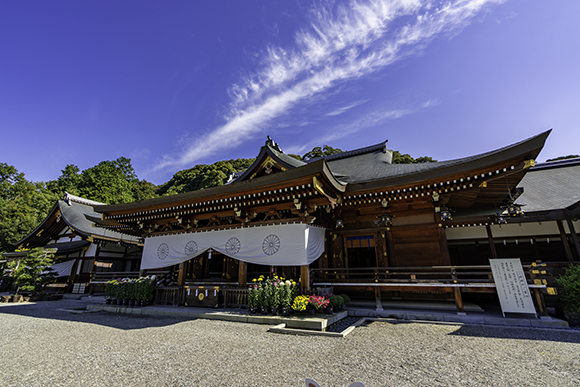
(254, 280)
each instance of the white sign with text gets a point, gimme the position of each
(512, 286)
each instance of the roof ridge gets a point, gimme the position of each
(68, 198)
(354, 152)
(556, 164)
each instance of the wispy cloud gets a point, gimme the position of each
(341, 43)
(345, 108)
(365, 121)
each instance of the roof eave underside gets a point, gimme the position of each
(313, 169)
(41, 226)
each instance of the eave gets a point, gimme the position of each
(475, 181)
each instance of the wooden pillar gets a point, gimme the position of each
(379, 300)
(443, 246)
(564, 238)
(537, 254)
(391, 258)
(458, 300)
(181, 275)
(305, 277)
(242, 273)
(574, 237)
(491, 242)
(384, 260)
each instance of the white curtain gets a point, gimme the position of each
(277, 245)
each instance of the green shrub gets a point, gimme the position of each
(345, 298)
(570, 284)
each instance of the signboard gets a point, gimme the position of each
(512, 286)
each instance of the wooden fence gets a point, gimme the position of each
(174, 295)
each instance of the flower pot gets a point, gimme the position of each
(131, 303)
(108, 300)
(336, 309)
(264, 310)
(126, 302)
(286, 312)
(114, 301)
(328, 310)
(17, 298)
(253, 309)
(275, 310)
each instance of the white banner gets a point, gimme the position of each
(276, 245)
(512, 286)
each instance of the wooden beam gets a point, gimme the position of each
(181, 275)
(458, 300)
(305, 277)
(574, 237)
(564, 238)
(443, 246)
(242, 273)
(490, 240)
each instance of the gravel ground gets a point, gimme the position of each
(43, 346)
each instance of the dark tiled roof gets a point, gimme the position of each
(372, 165)
(551, 186)
(287, 159)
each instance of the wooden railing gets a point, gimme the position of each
(235, 297)
(102, 277)
(174, 295)
(481, 274)
(451, 279)
(426, 274)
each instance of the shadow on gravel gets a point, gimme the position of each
(54, 310)
(556, 335)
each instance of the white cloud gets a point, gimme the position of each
(345, 108)
(341, 44)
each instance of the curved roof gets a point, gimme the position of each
(373, 165)
(73, 213)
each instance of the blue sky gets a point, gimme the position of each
(175, 84)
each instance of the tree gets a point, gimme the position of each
(563, 158)
(203, 176)
(399, 158)
(23, 205)
(34, 269)
(142, 189)
(109, 182)
(69, 181)
(317, 152)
